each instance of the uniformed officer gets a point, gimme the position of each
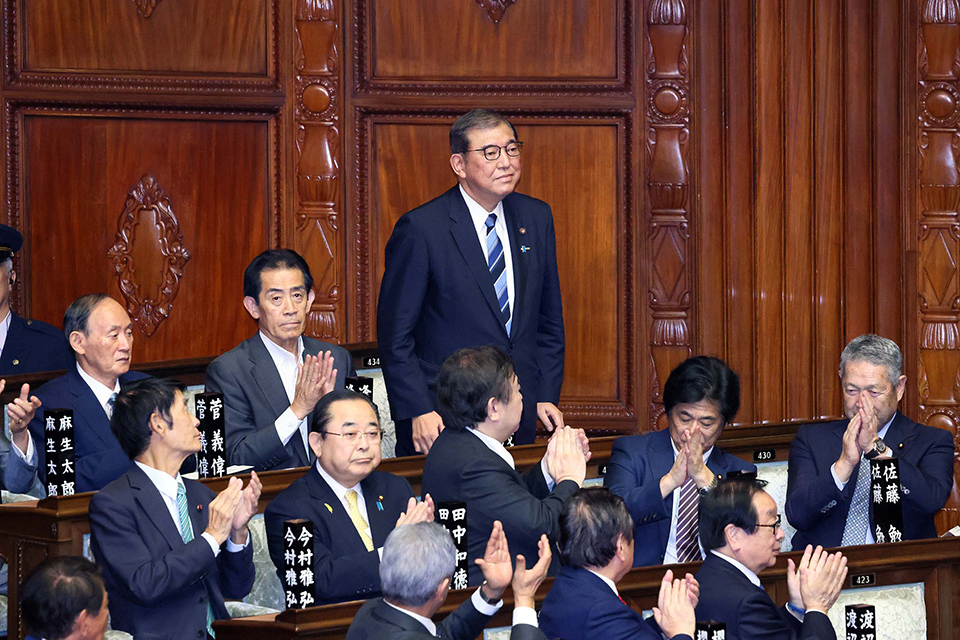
(26, 346)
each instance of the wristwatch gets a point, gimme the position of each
(484, 597)
(710, 487)
(879, 448)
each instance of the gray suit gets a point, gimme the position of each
(254, 398)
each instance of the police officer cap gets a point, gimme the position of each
(10, 241)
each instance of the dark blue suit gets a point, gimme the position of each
(819, 510)
(343, 569)
(33, 346)
(99, 458)
(727, 595)
(254, 397)
(158, 585)
(437, 296)
(461, 467)
(636, 465)
(581, 606)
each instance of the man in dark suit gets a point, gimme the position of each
(26, 346)
(418, 560)
(828, 484)
(352, 506)
(480, 401)
(740, 531)
(272, 382)
(171, 551)
(596, 547)
(659, 474)
(101, 336)
(63, 599)
(477, 265)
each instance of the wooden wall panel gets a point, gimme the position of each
(77, 174)
(179, 36)
(421, 44)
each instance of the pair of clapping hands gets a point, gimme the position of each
(815, 584)
(232, 508)
(567, 454)
(688, 463)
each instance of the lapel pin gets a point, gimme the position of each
(329, 508)
(524, 248)
(523, 230)
(380, 504)
(199, 507)
(900, 446)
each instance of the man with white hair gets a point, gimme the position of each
(829, 474)
(418, 562)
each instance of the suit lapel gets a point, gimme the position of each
(150, 500)
(465, 235)
(87, 409)
(514, 222)
(898, 432)
(199, 516)
(14, 337)
(264, 371)
(333, 512)
(380, 525)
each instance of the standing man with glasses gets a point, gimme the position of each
(353, 508)
(475, 266)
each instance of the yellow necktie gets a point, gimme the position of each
(358, 520)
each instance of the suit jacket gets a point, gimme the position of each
(727, 595)
(159, 586)
(581, 606)
(437, 296)
(343, 569)
(99, 458)
(461, 467)
(819, 510)
(254, 398)
(33, 346)
(376, 620)
(636, 465)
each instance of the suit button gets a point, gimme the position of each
(16, 361)
(203, 600)
(200, 633)
(29, 322)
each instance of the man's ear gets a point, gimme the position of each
(733, 535)
(252, 307)
(157, 424)
(457, 163)
(623, 549)
(76, 341)
(316, 442)
(493, 408)
(442, 588)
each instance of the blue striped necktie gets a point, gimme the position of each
(186, 532)
(497, 263)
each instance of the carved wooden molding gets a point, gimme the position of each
(495, 8)
(668, 238)
(148, 255)
(146, 7)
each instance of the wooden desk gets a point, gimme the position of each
(935, 563)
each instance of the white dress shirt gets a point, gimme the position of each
(670, 554)
(288, 367)
(479, 216)
(610, 583)
(882, 433)
(497, 447)
(4, 328)
(167, 486)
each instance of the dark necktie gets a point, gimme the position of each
(497, 263)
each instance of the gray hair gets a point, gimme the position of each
(875, 350)
(416, 559)
(77, 315)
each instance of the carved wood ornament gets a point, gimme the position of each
(148, 255)
(495, 8)
(146, 7)
(668, 118)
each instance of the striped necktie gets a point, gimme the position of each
(858, 518)
(497, 263)
(186, 532)
(688, 523)
(357, 518)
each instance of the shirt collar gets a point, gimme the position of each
(493, 445)
(610, 583)
(102, 392)
(882, 433)
(427, 622)
(477, 213)
(5, 328)
(751, 576)
(279, 354)
(335, 486)
(164, 482)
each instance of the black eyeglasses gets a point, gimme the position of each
(773, 526)
(492, 152)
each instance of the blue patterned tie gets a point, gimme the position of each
(497, 263)
(858, 518)
(186, 532)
